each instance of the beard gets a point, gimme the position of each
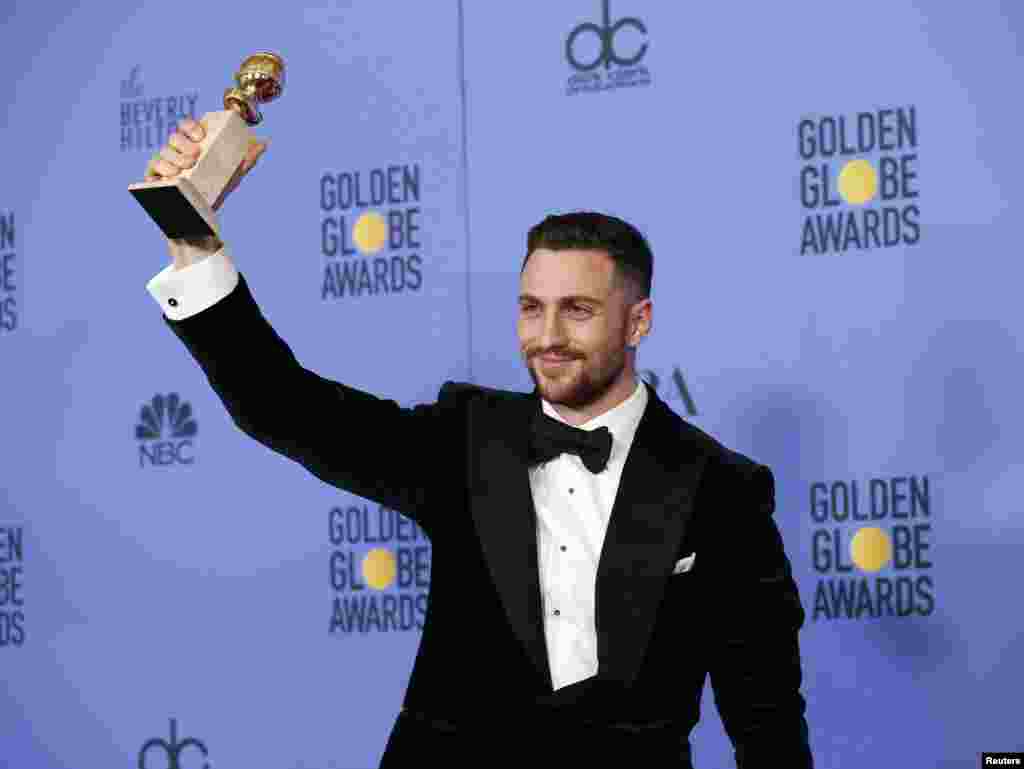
(574, 384)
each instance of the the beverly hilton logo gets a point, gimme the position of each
(147, 123)
(608, 55)
(166, 430)
(171, 751)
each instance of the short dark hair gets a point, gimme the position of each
(590, 230)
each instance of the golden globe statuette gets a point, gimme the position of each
(183, 206)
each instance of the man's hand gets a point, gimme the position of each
(182, 152)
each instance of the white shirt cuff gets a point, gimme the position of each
(186, 292)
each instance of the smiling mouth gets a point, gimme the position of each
(551, 365)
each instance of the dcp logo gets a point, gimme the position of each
(606, 38)
(172, 749)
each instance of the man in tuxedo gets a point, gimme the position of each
(615, 555)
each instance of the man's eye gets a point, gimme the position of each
(576, 308)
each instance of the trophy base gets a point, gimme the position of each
(177, 207)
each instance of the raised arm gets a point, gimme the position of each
(403, 458)
(348, 438)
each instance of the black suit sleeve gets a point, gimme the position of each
(348, 438)
(755, 655)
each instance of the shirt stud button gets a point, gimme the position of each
(172, 302)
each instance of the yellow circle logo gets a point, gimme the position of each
(369, 232)
(858, 182)
(379, 568)
(870, 548)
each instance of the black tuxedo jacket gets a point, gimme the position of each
(458, 467)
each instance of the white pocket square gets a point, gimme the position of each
(684, 564)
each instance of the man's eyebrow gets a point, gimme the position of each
(563, 300)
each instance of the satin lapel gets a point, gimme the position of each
(505, 518)
(653, 505)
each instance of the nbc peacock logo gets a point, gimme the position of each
(166, 432)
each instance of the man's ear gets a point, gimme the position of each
(640, 321)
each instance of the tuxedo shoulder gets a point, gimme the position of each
(730, 478)
(722, 460)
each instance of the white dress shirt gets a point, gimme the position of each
(573, 509)
(183, 293)
(573, 505)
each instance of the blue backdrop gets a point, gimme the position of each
(830, 193)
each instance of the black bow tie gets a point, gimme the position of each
(549, 438)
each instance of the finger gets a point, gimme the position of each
(253, 153)
(232, 183)
(174, 157)
(250, 159)
(164, 169)
(151, 165)
(184, 145)
(192, 129)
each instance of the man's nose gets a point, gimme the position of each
(553, 333)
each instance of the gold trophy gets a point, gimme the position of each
(183, 206)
